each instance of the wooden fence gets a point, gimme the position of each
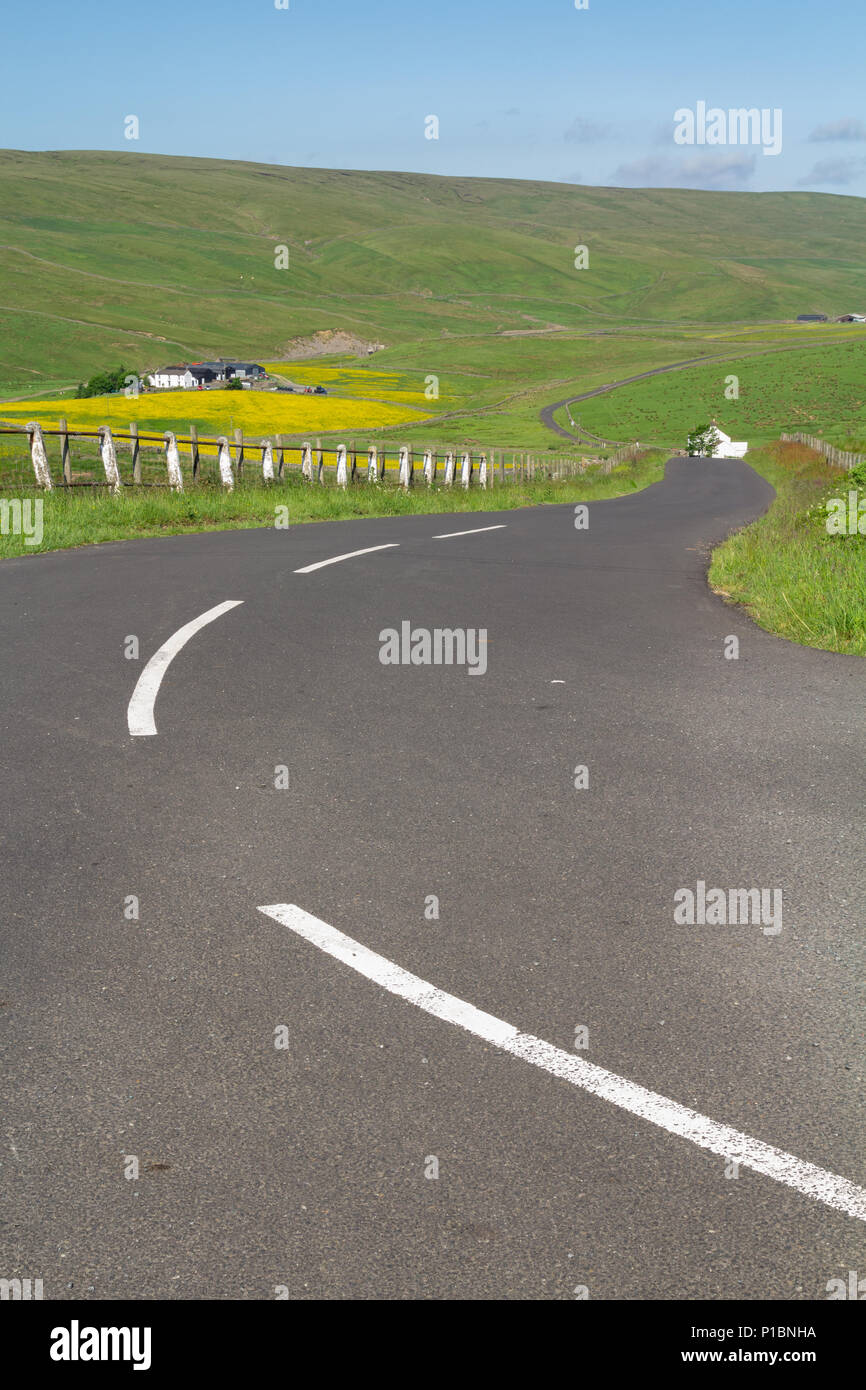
(840, 458)
(124, 458)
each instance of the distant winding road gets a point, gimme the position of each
(583, 436)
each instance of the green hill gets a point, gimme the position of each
(109, 257)
(145, 256)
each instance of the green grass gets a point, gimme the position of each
(794, 579)
(87, 516)
(146, 258)
(817, 390)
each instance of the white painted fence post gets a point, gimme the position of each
(307, 461)
(109, 458)
(225, 463)
(465, 470)
(267, 461)
(38, 456)
(342, 470)
(372, 465)
(449, 469)
(482, 471)
(172, 461)
(429, 467)
(404, 467)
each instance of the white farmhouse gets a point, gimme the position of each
(726, 447)
(168, 377)
(186, 377)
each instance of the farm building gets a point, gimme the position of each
(224, 368)
(168, 377)
(247, 371)
(203, 373)
(726, 447)
(811, 318)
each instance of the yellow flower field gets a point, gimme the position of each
(257, 413)
(403, 388)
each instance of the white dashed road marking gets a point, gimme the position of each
(350, 555)
(139, 715)
(719, 1139)
(476, 530)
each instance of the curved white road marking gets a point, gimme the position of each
(503, 525)
(728, 1143)
(139, 715)
(350, 555)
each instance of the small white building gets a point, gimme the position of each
(726, 447)
(168, 377)
(186, 377)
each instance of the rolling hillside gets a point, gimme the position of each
(109, 257)
(142, 257)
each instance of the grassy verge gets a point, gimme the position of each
(777, 391)
(794, 579)
(91, 516)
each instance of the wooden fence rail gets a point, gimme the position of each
(840, 458)
(233, 460)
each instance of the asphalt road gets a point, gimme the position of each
(303, 1167)
(546, 414)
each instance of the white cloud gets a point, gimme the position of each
(849, 128)
(584, 132)
(835, 171)
(728, 171)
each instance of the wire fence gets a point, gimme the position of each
(36, 456)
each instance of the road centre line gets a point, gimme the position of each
(474, 532)
(806, 1178)
(139, 714)
(350, 555)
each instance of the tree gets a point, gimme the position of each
(234, 384)
(702, 441)
(105, 383)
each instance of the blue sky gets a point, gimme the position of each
(536, 90)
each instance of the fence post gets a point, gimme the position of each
(307, 461)
(64, 451)
(225, 463)
(320, 463)
(193, 450)
(109, 458)
(172, 461)
(372, 464)
(135, 449)
(239, 452)
(38, 456)
(342, 476)
(354, 472)
(267, 461)
(280, 456)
